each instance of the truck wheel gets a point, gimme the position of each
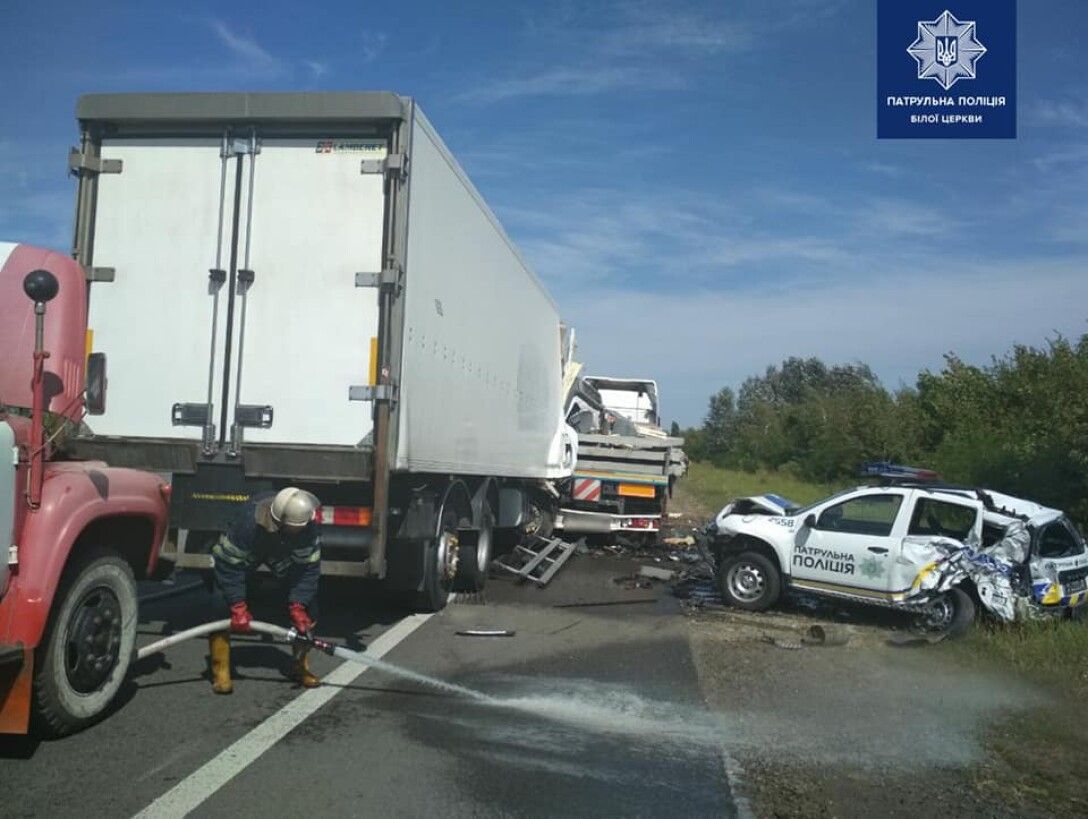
(950, 614)
(474, 560)
(440, 561)
(750, 581)
(541, 520)
(88, 645)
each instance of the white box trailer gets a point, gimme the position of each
(307, 289)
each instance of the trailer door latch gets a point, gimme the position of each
(190, 415)
(80, 163)
(394, 166)
(253, 415)
(373, 392)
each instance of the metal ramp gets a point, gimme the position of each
(538, 561)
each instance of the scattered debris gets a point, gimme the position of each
(468, 598)
(699, 592)
(679, 541)
(912, 639)
(479, 632)
(537, 564)
(790, 643)
(633, 581)
(656, 573)
(632, 602)
(826, 636)
(813, 636)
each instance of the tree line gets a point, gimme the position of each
(1018, 425)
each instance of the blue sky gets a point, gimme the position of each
(699, 184)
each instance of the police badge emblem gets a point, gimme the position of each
(946, 50)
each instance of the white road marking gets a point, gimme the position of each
(188, 794)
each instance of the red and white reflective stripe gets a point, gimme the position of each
(587, 489)
(344, 515)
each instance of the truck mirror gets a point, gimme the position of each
(810, 521)
(95, 401)
(41, 286)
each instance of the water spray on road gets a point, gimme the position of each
(589, 710)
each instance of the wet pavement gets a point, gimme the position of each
(595, 709)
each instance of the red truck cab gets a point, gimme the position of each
(74, 535)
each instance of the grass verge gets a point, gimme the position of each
(707, 488)
(1039, 764)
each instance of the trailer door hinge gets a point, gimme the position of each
(394, 166)
(373, 392)
(79, 163)
(13, 555)
(240, 145)
(387, 281)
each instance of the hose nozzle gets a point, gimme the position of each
(304, 638)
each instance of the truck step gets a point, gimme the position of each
(538, 561)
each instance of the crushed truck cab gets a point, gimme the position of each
(932, 549)
(76, 534)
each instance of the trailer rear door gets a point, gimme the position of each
(292, 335)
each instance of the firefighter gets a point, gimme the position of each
(278, 530)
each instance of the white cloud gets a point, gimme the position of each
(245, 50)
(655, 28)
(899, 321)
(1067, 113)
(573, 81)
(36, 198)
(1060, 158)
(616, 57)
(899, 217)
(884, 169)
(738, 251)
(373, 44)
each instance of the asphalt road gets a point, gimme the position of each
(587, 710)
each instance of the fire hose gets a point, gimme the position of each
(294, 637)
(285, 635)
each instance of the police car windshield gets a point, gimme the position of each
(804, 510)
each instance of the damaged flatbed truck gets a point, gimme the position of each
(626, 464)
(306, 289)
(926, 548)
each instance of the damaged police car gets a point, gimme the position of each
(933, 550)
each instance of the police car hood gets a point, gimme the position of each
(768, 505)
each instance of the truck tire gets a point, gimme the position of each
(951, 614)
(750, 581)
(88, 645)
(441, 557)
(474, 560)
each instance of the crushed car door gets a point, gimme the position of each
(931, 518)
(851, 544)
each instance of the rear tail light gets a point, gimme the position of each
(345, 515)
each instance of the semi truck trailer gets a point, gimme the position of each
(306, 289)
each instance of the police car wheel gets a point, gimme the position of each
(950, 614)
(750, 581)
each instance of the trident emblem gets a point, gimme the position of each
(946, 51)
